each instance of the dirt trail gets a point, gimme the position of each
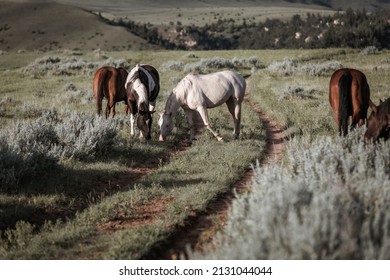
(203, 227)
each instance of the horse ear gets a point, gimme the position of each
(373, 107)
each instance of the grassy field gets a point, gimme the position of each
(69, 201)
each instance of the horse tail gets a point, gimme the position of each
(344, 102)
(100, 90)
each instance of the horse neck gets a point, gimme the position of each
(140, 89)
(173, 103)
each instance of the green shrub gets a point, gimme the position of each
(84, 136)
(30, 148)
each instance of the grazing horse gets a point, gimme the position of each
(378, 124)
(108, 83)
(200, 92)
(349, 95)
(142, 88)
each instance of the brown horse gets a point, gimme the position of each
(109, 82)
(378, 124)
(142, 88)
(349, 95)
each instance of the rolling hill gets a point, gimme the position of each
(51, 26)
(73, 24)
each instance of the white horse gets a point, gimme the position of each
(200, 92)
(142, 88)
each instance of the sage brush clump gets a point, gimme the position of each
(289, 67)
(293, 91)
(66, 65)
(220, 63)
(330, 201)
(84, 136)
(320, 69)
(30, 148)
(286, 67)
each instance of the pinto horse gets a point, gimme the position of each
(378, 124)
(108, 83)
(349, 95)
(142, 87)
(200, 92)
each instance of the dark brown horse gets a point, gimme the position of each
(378, 124)
(349, 95)
(109, 82)
(142, 88)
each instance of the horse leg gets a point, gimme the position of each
(107, 112)
(132, 121)
(234, 107)
(113, 111)
(99, 106)
(152, 105)
(190, 119)
(203, 114)
(357, 105)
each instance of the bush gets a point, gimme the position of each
(85, 137)
(285, 68)
(66, 65)
(369, 50)
(331, 201)
(28, 149)
(320, 69)
(173, 65)
(296, 92)
(205, 64)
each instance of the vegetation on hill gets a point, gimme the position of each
(354, 29)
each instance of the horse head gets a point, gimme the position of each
(145, 120)
(378, 124)
(166, 125)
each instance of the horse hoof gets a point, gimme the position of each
(220, 139)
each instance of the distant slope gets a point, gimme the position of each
(369, 5)
(201, 12)
(51, 26)
(118, 5)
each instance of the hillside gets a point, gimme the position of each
(52, 26)
(69, 24)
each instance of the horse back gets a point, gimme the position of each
(216, 88)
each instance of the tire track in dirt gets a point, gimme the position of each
(202, 227)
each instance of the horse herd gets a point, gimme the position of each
(349, 95)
